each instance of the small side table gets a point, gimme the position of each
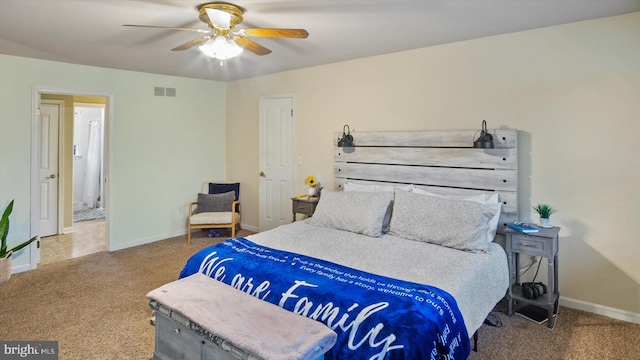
(543, 243)
(304, 206)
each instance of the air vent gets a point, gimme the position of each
(158, 91)
(171, 92)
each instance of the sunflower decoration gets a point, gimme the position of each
(310, 181)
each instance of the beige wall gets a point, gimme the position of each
(571, 90)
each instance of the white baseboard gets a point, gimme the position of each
(167, 236)
(614, 313)
(68, 230)
(248, 227)
(148, 240)
(20, 268)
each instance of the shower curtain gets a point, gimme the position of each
(93, 173)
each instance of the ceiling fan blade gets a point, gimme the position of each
(278, 33)
(169, 28)
(190, 44)
(252, 46)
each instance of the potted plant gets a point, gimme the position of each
(5, 256)
(545, 212)
(312, 183)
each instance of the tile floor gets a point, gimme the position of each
(89, 237)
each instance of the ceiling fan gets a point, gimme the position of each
(222, 41)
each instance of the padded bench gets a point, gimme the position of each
(198, 317)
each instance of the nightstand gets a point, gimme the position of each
(304, 206)
(543, 243)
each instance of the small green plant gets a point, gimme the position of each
(544, 210)
(4, 231)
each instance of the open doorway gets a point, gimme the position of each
(81, 202)
(88, 160)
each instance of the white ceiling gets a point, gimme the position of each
(90, 32)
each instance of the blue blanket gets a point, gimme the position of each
(375, 317)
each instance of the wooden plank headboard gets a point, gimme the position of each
(441, 162)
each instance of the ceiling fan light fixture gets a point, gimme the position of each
(221, 41)
(219, 18)
(221, 48)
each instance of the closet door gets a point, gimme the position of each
(276, 172)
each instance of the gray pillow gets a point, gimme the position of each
(215, 202)
(457, 224)
(351, 186)
(357, 212)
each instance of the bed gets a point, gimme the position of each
(392, 193)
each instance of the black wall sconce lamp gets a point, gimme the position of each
(346, 140)
(485, 140)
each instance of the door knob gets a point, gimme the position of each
(52, 176)
(262, 174)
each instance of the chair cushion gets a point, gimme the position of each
(214, 218)
(215, 202)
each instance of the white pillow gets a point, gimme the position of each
(493, 223)
(349, 186)
(493, 199)
(477, 198)
(459, 224)
(355, 211)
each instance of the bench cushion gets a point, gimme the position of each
(259, 327)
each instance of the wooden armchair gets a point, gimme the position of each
(219, 209)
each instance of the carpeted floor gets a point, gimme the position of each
(95, 306)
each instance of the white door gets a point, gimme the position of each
(276, 161)
(49, 123)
